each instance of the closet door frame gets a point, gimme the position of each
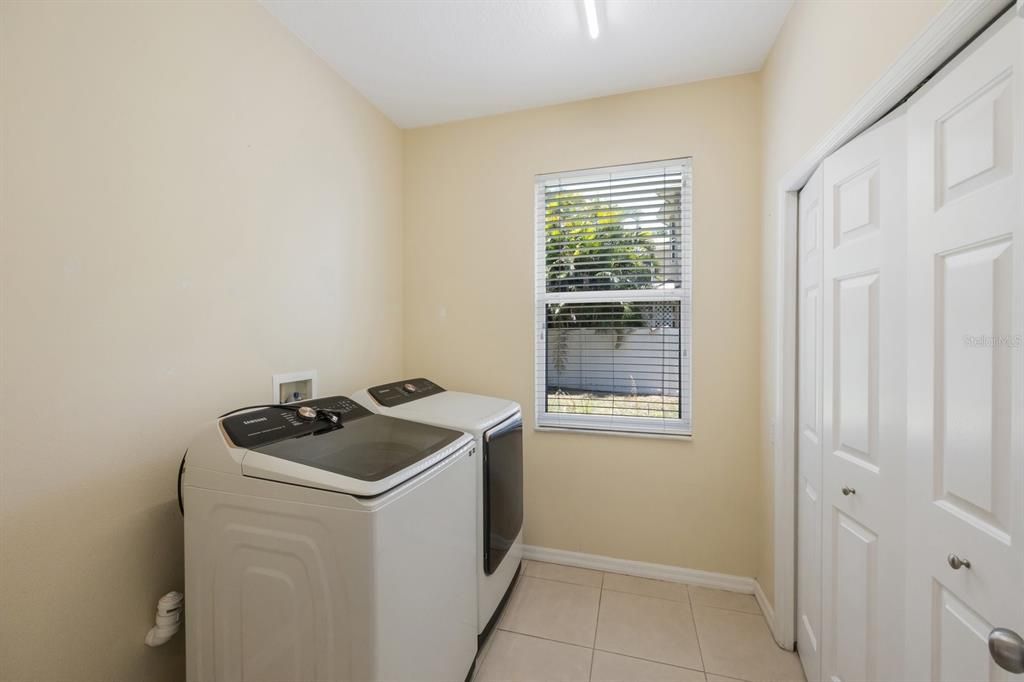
(811, 229)
(944, 37)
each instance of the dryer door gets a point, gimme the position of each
(503, 490)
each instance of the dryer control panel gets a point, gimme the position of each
(405, 391)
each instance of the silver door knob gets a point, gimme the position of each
(956, 563)
(849, 491)
(1007, 649)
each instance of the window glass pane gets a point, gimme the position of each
(613, 284)
(614, 358)
(614, 234)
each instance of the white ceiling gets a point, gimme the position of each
(429, 61)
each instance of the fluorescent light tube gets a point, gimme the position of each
(591, 9)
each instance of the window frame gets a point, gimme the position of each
(647, 427)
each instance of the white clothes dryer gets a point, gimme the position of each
(497, 426)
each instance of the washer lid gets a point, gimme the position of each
(464, 411)
(368, 457)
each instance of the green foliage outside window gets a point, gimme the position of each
(590, 247)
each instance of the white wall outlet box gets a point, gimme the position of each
(294, 386)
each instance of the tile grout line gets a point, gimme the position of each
(546, 639)
(484, 651)
(650, 660)
(696, 634)
(649, 596)
(606, 651)
(616, 653)
(689, 601)
(597, 624)
(742, 613)
(726, 608)
(561, 582)
(527, 574)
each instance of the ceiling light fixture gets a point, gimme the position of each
(591, 10)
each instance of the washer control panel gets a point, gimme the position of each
(405, 391)
(270, 424)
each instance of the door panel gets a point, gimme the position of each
(972, 457)
(864, 403)
(855, 610)
(856, 381)
(962, 641)
(965, 370)
(974, 140)
(809, 442)
(856, 205)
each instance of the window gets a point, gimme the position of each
(613, 299)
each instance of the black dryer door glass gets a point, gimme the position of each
(503, 491)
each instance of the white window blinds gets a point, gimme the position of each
(613, 299)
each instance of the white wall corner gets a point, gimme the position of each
(767, 609)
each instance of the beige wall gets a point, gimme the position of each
(191, 201)
(469, 313)
(826, 56)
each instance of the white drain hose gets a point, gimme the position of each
(168, 618)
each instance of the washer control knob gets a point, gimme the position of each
(411, 387)
(307, 413)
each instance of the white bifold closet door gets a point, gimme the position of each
(808, 503)
(863, 404)
(965, 494)
(911, 387)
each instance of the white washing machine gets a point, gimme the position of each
(497, 426)
(324, 542)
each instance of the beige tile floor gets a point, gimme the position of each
(574, 625)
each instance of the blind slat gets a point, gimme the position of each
(583, 183)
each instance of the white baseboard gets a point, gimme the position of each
(642, 569)
(768, 611)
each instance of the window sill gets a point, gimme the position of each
(613, 432)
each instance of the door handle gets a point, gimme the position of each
(956, 563)
(1007, 649)
(847, 490)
